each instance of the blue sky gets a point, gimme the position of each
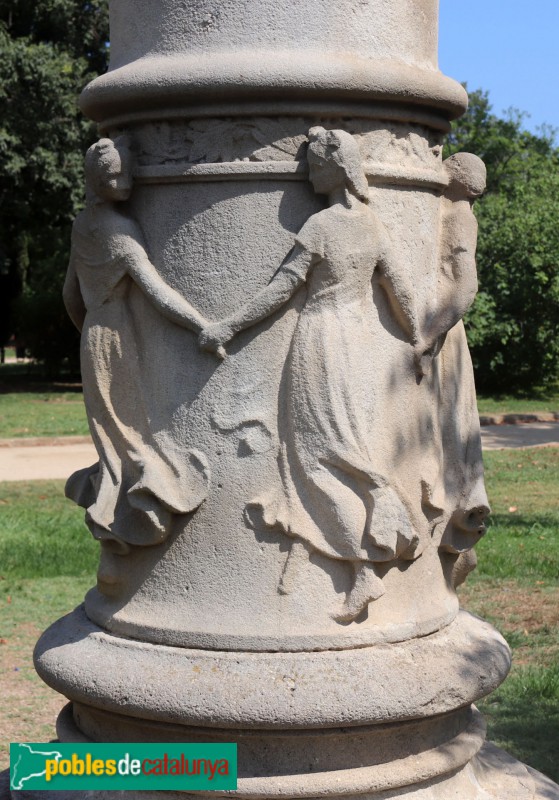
(508, 47)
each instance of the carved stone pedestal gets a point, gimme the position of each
(270, 275)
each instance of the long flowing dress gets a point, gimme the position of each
(139, 481)
(460, 486)
(333, 496)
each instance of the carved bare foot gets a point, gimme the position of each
(367, 587)
(465, 528)
(473, 520)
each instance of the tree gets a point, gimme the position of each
(48, 51)
(513, 326)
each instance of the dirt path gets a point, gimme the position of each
(44, 462)
(533, 434)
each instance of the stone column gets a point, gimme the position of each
(269, 276)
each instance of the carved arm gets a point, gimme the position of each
(72, 295)
(289, 277)
(169, 302)
(400, 294)
(458, 279)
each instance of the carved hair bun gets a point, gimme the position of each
(344, 150)
(467, 171)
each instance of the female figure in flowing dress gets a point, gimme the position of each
(461, 491)
(334, 498)
(139, 481)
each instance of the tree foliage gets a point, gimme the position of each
(49, 49)
(513, 327)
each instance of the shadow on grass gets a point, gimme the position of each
(523, 718)
(31, 377)
(533, 393)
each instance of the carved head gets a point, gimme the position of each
(467, 175)
(334, 160)
(108, 169)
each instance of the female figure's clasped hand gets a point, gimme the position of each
(214, 336)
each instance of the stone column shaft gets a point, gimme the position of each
(286, 501)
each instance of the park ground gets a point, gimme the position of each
(48, 561)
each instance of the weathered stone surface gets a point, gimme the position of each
(315, 487)
(270, 275)
(435, 674)
(177, 53)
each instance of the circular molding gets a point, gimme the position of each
(325, 763)
(171, 81)
(414, 679)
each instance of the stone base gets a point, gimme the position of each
(372, 723)
(367, 686)
(491, 775)
(442, 758)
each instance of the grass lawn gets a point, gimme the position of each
(42, 414)
(536, 400)
(516, 587)
(29, 707)
(48, 562)
(42, 534)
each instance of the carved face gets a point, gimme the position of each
(467, 176)
(108, 171)
(324, 173)
(116, 179)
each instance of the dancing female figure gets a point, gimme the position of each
(461, 489)
(333, 497)
(141, 480)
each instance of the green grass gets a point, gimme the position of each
(42, 600)
(523, 717)
(536, 400)
(523, 539)
(48, 561)
(42, 534)
(42, 414)
(516, 588)
(27, 607)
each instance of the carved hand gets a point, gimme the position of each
(214, 336)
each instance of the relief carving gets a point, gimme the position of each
(242, 413)
(334, 498)
(461, 488)
(457, 279)
(335, 494)
(142, 479)
(211, 141)
(263, 139)
(393, 143)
